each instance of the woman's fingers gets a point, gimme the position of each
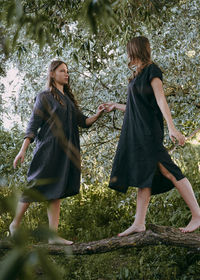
(101, 107)
(109, 107)
(182, 140)
(173, 138)
(112, 107)
(177, 136)
(19, 156)
(15, 162)
(22, 159)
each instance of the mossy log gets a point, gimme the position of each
(154, 235)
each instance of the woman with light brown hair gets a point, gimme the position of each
(141, 160)
(54, 172)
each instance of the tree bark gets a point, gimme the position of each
(155, 235)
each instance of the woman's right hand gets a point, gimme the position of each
(174, 135)
(20, 155)
(109, 107)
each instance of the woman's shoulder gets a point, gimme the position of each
(150, 69)
(154, 71)
(43, 97)
(153, 67)
(45, 94)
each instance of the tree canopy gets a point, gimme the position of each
(91, 37)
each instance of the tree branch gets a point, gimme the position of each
(155, 235)
(97, 78)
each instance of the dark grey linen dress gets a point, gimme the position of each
(140, 147)
(54, 171)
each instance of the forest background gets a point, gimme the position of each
(91, 37)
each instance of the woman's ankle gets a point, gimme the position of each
(137, 224)
(14, 224)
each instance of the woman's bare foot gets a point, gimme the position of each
(192, 226)
(133, 229)
(60, 241)
(12, 228)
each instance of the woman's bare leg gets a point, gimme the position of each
(53, 212)
(143, 198)
(185, 189)
(21, 209)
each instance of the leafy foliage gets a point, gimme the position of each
(91, 37)
(98, 64)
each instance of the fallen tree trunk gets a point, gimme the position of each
(155, 235)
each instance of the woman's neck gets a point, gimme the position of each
(59, 87)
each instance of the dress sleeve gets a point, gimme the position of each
(37, 117)
(81, 119)
(155, 72)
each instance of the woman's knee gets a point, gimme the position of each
(55, 202)
(144, 191)
(166, 173)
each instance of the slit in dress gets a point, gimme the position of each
(166, 173)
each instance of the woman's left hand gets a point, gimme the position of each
(174, 135)
(94, 118)
(100, 110)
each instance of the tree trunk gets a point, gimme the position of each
(155, 235)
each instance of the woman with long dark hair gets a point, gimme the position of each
(141, 159)
(54, 172)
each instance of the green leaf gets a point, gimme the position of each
(11, 12)
(12, 264)
(18, 9)
(75, 57)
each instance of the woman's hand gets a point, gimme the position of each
(19, 156)
(94, 118)
(174, 135)
(100, 110)
(22, 152)
(109, 107)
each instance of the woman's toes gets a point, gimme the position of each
(132, 229)
(192, 226)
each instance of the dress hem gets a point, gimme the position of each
(29, 200)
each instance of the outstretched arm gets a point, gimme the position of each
(157, 86)
(113, 106)
(94, 118)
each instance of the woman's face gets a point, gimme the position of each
(61, 75)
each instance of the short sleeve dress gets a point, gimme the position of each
(140, 146)
(54, 171)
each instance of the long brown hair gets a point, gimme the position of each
(51, 83)
(139, 48)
